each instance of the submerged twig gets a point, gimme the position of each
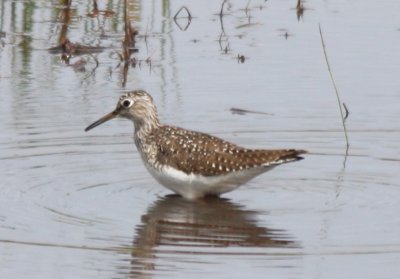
(246, 10)
(223, 35)
(221, 12)
(336, 91)
(128, 45)
(130, 35)
(95, 67)
(189, 18)
(96, 12)
(347, 111)
(299, 9)
(180, 10)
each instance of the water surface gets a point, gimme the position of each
(81, 205)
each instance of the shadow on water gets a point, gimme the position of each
(174, 227)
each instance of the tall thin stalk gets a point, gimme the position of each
(336, 91)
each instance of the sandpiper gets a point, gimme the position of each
(191, 164)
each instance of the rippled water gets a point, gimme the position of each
(81, 205)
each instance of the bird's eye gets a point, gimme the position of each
(127, 103)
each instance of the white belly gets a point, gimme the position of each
(192, 186)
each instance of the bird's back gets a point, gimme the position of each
(202, 154)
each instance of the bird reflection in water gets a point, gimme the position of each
(174, 226)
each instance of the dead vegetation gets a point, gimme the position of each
(344, 112)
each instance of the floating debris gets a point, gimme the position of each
(245, 111)
(68, 48)
(241, 58)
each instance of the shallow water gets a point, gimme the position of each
(81, 205)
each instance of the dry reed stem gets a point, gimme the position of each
(336, 91)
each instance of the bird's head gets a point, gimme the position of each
(137, 106)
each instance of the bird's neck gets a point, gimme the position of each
(143, 128)
(146, 121)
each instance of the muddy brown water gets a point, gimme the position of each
(81, 205)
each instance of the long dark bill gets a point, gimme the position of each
(105, 118)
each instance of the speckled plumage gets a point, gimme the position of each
(190, 163)
(202, 154)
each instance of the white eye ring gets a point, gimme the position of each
(126, 103)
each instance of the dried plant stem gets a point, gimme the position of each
(336, 90)
(221, 12)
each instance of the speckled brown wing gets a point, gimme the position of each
(198, 153)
